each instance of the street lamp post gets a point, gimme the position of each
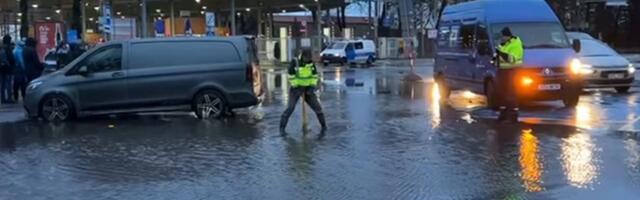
(143, 17)
(233, 17)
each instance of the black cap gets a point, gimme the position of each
(306, 56)
(506, 32)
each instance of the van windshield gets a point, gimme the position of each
(338, 45)
(534, 35)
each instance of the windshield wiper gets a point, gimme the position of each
(539, 46)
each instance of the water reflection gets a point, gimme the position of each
(435, 106)
(583, 117)
(633, 159)
(578, 160)
(529, 162)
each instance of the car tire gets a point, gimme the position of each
(370, 61)
(623, 90)
(571, 101)
(491, 93)
(443, 89)
(209, 104)
(56, 108)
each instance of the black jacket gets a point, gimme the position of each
(32, 62)
(8, 50)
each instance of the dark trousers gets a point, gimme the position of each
(19, 86)
(507, 89)
(5, 89)
(309, 97)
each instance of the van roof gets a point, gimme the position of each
(232, 39)
(502, 11)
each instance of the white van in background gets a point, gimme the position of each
(350, 52)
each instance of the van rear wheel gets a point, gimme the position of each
(209, 104)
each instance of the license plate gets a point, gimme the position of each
(616, 76)
(549, 87)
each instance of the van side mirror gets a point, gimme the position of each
(577, 46)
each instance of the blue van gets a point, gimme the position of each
(469, 33)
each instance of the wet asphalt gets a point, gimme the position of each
(387, 139)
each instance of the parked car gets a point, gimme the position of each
(209, 76)
(469, 33)
(50, 62)
(350, 52)
(603, 67)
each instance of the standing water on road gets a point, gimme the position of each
(387, 139)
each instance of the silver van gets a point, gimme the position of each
(209, 76)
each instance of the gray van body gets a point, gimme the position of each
(146, 75)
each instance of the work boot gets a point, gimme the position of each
(283, 125)
(323, 123)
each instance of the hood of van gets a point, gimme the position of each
(333, 52)
(536, 58)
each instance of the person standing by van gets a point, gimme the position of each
(20, 73)
(303, 78)
(510, 56)
(7, 64)
(32, 62)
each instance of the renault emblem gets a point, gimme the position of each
(547, 71)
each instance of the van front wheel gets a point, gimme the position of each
(209, 104)
(571, 101)
(56, 108)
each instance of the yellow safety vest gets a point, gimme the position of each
(515, 51)
(304, 77)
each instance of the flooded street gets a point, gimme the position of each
(387, 139)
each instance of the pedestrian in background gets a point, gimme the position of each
(62, 55)
(303, 78)
(32, 62)
(20, 73)
(7, 64)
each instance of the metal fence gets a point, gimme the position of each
(275, 51)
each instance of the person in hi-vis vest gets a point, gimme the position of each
(303, 78)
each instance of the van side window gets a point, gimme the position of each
(443, 36)
(107, 59)
(482, 41)
(466, 36)
(358, 45)
(350, 47)
(182, 53)
(453, 37)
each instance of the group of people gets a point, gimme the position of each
(19, 65)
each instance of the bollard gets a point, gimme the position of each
(304, 114)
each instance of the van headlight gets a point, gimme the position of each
(34, 85)
(576, 66)
(632, 69)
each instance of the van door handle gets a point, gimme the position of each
(117, 75)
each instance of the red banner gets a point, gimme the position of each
(48, 35)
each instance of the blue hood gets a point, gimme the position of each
(536, 58)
